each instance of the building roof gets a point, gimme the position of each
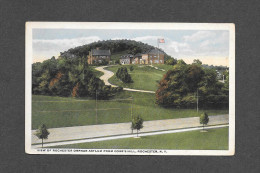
(139, 54)
(127, 56)
(154, 51)
(101, 52)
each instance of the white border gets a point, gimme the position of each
(127, 25)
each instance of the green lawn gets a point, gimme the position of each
(64, 112)
(163, 66)
(97, 73)
(144, 77)
(214, 139)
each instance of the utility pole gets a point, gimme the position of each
(96, 106)
(158, 51)
(132, 110)
(197, 101)
(161, 40)
(84, 67)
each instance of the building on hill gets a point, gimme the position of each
(126, 59)
(99, 56)
(137, 58)
(151, 57)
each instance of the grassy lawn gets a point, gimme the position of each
(66, 111)
(97, 73)
(144, 77)
(163, 66)
(214, 139)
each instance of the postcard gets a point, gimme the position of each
(115, 88)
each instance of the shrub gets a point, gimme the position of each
(123, 75)
(42, 133)
(171, 61)
(137, 123)
(204, 119)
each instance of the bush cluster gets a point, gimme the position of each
(123, 75)
(180, 85)
(68, 77)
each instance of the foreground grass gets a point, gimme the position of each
(214, 139)
(65, 112)
(144, 77)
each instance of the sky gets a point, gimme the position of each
(210, 46)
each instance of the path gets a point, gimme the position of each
(126, 136)
(108, 74)
(156, 68)
(93, 131)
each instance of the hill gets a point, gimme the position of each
(117, 47)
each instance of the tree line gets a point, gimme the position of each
(181, 86)
(129, 46)
(68, 77)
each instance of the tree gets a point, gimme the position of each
(137, 123)
(123, 75)
(179, 85)
(171, 61)
(42, 133)
(173, 86)
(194, 76)
(115, 46)
(197, 62)
(204, 119)
(67, 77)
(226, 84)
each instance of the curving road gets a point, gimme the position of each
(108, 74)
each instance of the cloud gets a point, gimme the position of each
(221, 39)
(117, 38)
(198, 36)
(201, 43)
(45, 48)
(198, 44)
(147, 38)
(171, 47)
